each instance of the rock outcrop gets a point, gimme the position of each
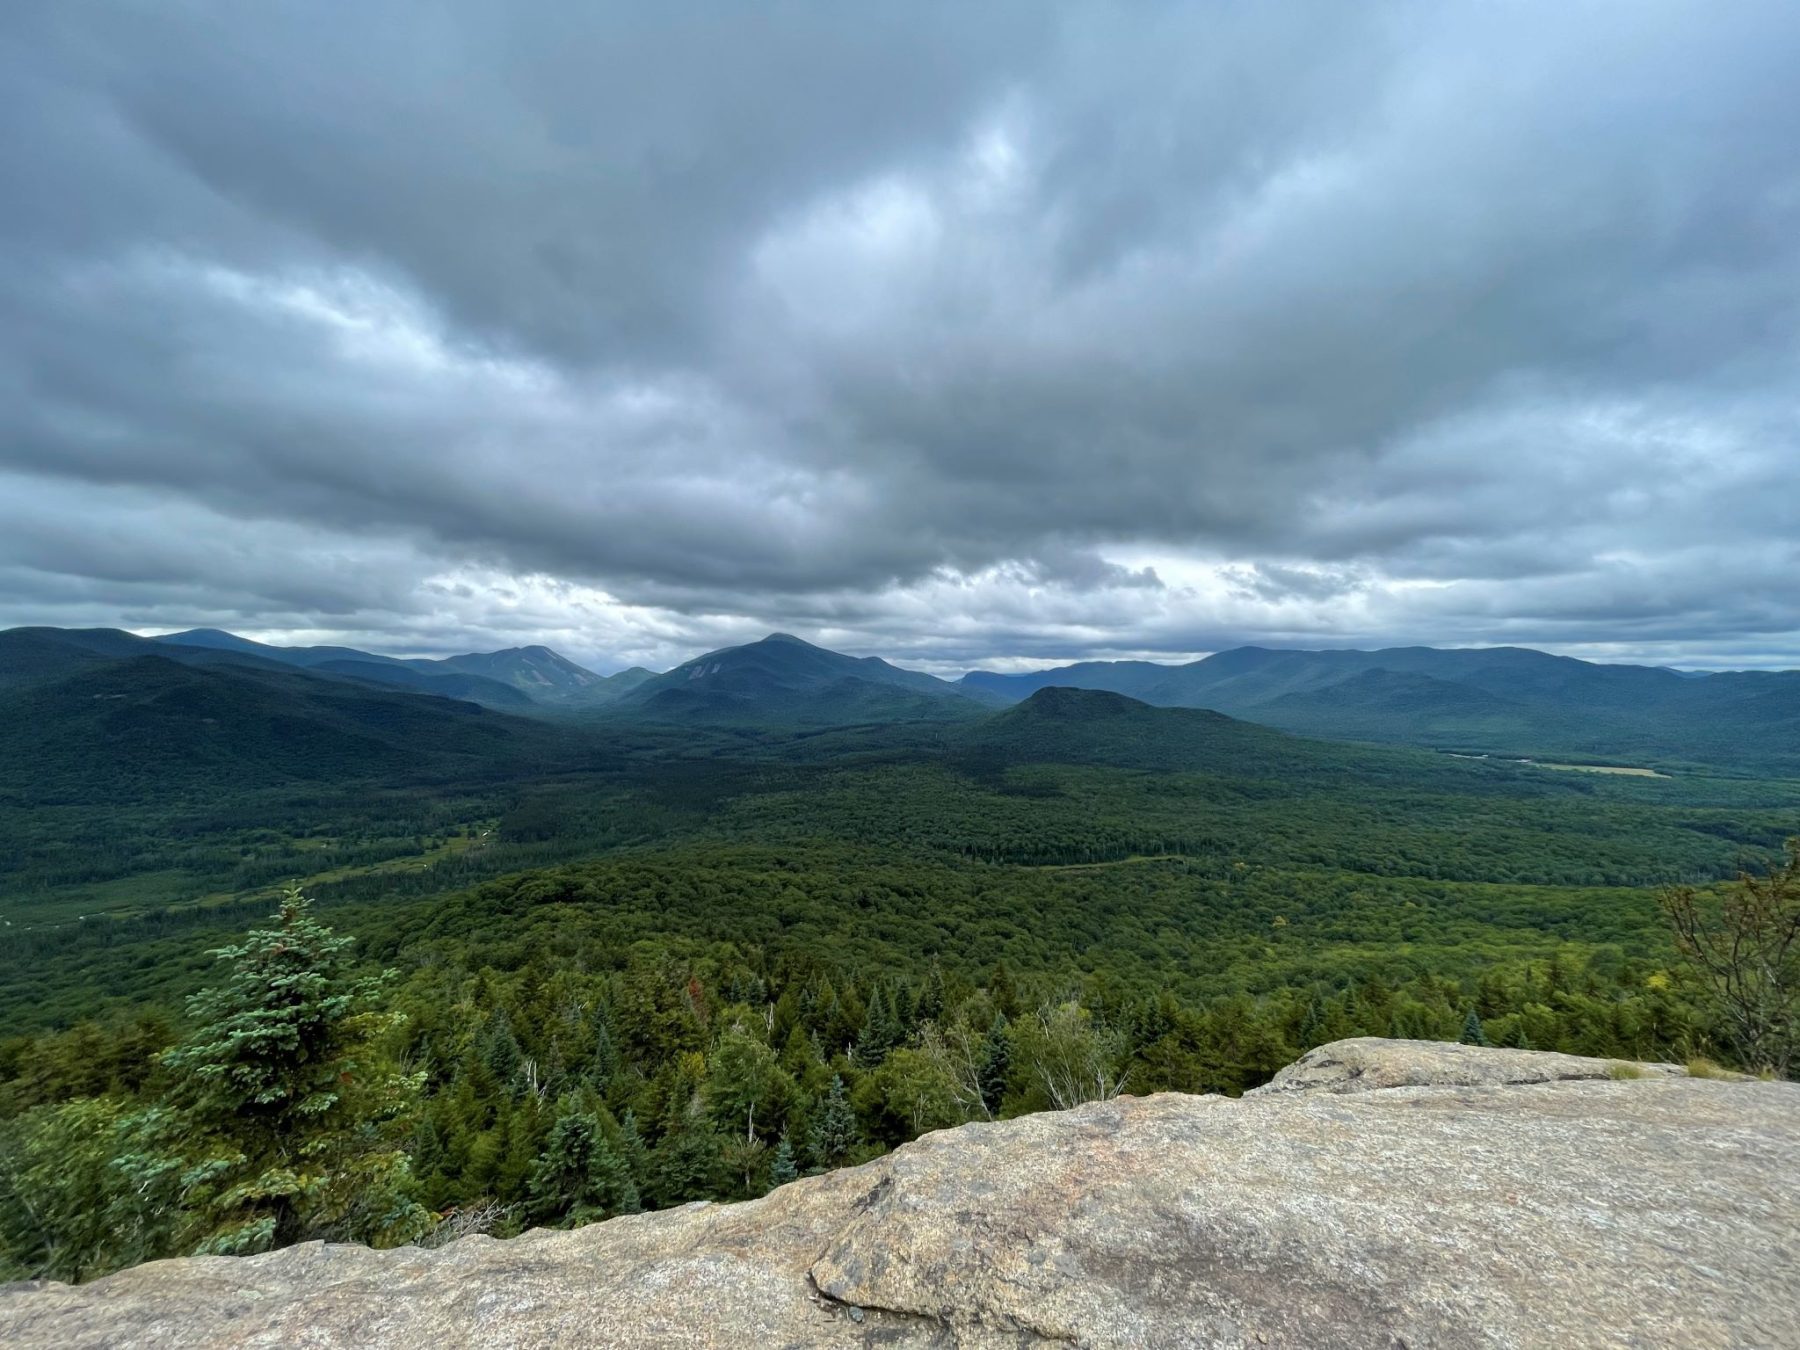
(1378, 1193)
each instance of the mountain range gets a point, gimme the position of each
(784, 679)
(1505, 701)
(1510, 701)
(514, 678)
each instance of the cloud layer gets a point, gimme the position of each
(997, 333)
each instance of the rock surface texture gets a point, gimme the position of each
(1378, 1193)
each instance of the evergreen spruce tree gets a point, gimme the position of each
(500, 1052)
(931, 995)
(800, 1054)
(637, 1159)
(880, 1033)
(688, 1162)
(604, 1062)
(904, 1009)
(1312, 1024)
(833, 1132)
(782, 1168)
(996, 1064)
(578, 1176)
(1472, 1034)
(281, 1086)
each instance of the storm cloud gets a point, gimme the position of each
(994, 333)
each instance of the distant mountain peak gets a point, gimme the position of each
(1058, 700)
(211, 637)
(787, 679)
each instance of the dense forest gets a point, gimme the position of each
(538, 1062)
(597, 968)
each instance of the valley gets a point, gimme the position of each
(838, 868)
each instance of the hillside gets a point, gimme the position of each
(1092, 727)
(1380, 1193)
(782, 680)
(537, 672)
(36, 655)
(215, 639)
(493, 678)
(1082, 726)
(1136, 679)
(33, 655)
(148, 727)
(473, 688)
(1503, 700)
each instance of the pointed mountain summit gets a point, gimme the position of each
(536, 671)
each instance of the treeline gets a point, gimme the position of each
(593, 1080)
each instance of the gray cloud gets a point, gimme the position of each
(959, 333)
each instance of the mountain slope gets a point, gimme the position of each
(1091, 726)
(150, 727)
(451, 684)
(1504, 700)
(34, 655)
(1134, 679)
(1371, 703)
(783, 680)
(218, 640)
(538, 673)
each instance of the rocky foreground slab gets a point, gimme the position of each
(1378, 1193)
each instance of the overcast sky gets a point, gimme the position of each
(962, 333)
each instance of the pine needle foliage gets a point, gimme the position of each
(282, 1101)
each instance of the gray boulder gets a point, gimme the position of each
(1498, 1198)
(1367, 1062)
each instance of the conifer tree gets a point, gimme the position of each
(931, 995)
(501, 1054)
(1472, 1033)
(833, 1132)
(996, 1064)
(579, 1176)
(281, 1084)
(782, 1168)
(1312, 1023)
(880, 1033)
(636, 1156)
(688, 1162)
(904, 1009)
(604, 1062)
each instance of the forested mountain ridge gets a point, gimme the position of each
(1510, 702)
(541, 675)
(1499, 700)
(123, 730)
(786, 680)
